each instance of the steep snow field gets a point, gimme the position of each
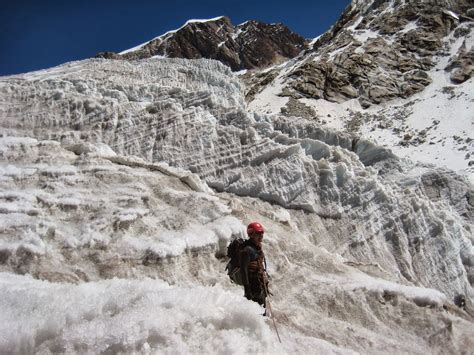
(121, 184)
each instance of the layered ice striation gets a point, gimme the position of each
(412, 221)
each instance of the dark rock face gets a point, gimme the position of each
(381, 50)
(108, 55)
(263, 44)
(247, 46)
(462, 67)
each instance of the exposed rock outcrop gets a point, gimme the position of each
(378, 51)
(462, 66)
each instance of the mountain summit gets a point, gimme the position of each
(250, 45)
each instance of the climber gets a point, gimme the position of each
(253, 266)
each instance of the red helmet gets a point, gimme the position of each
(254, 227)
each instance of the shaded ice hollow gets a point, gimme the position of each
(106, 172)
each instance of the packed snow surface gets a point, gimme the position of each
(122, 315)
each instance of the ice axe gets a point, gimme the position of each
(267, 303)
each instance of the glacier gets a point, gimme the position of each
(122, 183)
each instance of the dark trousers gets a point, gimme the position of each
(256, 291)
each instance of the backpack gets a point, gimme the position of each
(233, 266)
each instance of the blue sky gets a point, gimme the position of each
(41, 34)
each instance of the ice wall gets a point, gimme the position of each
(192, 115)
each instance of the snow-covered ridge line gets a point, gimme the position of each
(162, 36)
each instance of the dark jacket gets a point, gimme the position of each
(252, 271)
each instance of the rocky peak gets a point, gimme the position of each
(266, 44)
(252, 44)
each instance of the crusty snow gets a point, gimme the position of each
(121, 184)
